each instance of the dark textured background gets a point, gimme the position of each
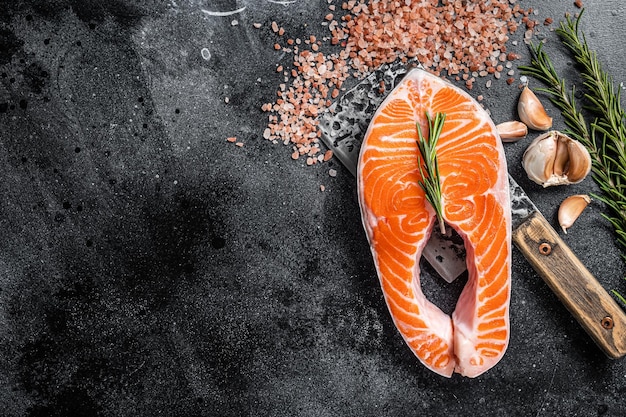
(148, 267)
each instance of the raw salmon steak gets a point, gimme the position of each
(398, 221)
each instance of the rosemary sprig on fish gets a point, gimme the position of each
(431, 182)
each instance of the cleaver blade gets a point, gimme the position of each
(343, 127)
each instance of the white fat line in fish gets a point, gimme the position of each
(383, 173)
(461, 127)
(463, 131)
(409, 326)
(393, 142)
(428, 337)
(395, 294)
(401, 126)
(403, 135)
(219, 14)
(495, 314)
(424, 337)
(485, 300)
(397, 263)
(488, 247)
(401, 150)
(488, 333)
(490, 270)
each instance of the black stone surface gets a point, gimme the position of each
(148, 267)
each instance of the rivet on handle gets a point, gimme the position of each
(607, 322)
(545, 249)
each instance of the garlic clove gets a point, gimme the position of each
(532, 112)
(554, 158)
(570, 210)
(538, 159)
(561, 159)
(512, 131)
(579, 162)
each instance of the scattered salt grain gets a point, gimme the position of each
(332, 172)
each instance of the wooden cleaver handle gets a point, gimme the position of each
(597, 312)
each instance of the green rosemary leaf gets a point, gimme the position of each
(619, 296)
(429, 166)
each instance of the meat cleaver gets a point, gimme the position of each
(343, 128)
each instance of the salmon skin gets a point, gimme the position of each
(398, 222)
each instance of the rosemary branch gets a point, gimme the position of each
(431, 181)
(605, 137)
(604, 102)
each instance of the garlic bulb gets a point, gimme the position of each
(512, 131)
(570, 209)
(556, 159)
(532, 112)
